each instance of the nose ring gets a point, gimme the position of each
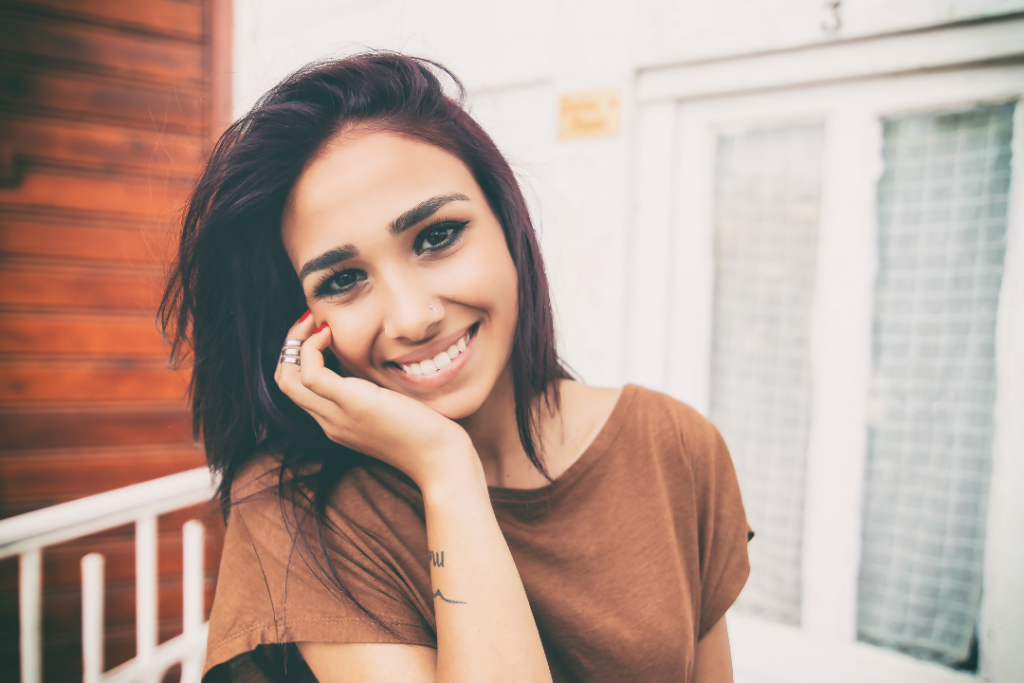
(434, 310)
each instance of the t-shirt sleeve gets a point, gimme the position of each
(273, 589)
(723, 531)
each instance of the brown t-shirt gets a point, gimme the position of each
(628, 558)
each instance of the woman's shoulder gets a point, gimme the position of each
(586, 402)
(264, 487)
(642, 406)
(667, 420)
(259, 475)
(635, 417)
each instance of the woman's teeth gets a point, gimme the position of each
(441, 360)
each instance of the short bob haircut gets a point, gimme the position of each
(232, 293)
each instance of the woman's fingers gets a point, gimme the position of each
(288, 374)
(298, 332)
(300, 381)
(315, 377)
(302, 328)
(337, 403)
(313, 348)
(348, 393)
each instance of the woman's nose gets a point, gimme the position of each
(410, 312)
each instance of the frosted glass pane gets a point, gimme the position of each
(942, 231)
(768, 187)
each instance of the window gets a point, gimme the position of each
(844, 278)
(767, 198)
(941, 242)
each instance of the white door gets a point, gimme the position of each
(833, 271)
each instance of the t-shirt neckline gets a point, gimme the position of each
(597, 448)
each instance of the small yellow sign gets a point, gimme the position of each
(589, 114)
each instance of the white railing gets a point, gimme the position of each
(26, 536)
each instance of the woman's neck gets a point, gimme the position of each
(495, 436)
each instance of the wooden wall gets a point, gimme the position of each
(106, 110)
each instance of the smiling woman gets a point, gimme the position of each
(415, 487)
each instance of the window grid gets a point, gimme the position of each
(942, 227)
(767, 203)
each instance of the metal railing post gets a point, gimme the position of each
(146, 617)
(30, 585)
(192, 599)
(92, 618)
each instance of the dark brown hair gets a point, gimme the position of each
(233, 294)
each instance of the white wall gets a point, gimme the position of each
(517, 58)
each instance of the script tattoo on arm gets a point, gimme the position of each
(437, 594)
(437, 560)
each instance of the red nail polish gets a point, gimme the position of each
(304, 315)
(320, 329)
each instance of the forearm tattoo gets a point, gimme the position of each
(437, 560)
(437, 594)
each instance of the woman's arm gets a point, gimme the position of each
(713, 658)
(485, 628)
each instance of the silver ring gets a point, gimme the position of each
(289, 352)
(431, 306)
(291, 359)
(292, 342)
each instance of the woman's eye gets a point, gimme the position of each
(341, 282)
(439, 236)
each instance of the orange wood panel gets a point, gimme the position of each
(89, 471)
(80, 335)
(143, 242)
(49, 427)
(106, 107)
(91, 145)
(221, 27)
(83, 46)
(179, 107)
(37, 287)
(29, 382)
(15, 504)
(166, 17)
(46, 189)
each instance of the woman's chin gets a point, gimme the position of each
(457, 406)
(456, 400)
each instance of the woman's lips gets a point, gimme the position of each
(437, 370)
(429, 366)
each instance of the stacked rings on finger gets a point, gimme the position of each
(290, 351)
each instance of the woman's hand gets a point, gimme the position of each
(389, 426)
(488, 633)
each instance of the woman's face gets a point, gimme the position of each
(380, 228)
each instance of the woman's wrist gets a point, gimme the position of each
(453, 472)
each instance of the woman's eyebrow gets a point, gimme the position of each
(328, 259)
(422, 211)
